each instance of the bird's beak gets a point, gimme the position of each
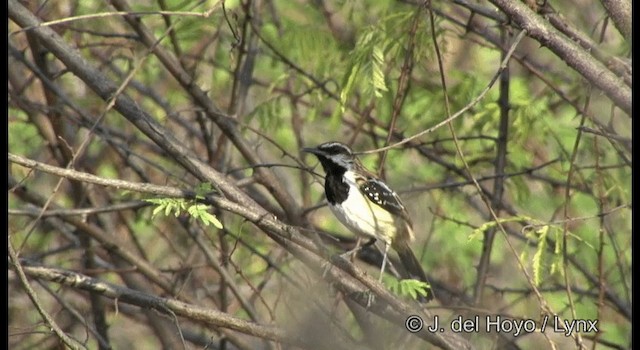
(312, 150)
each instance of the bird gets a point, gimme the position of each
(368, 207)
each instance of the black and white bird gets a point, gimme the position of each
(367, 206)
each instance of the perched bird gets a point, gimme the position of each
(367, 206)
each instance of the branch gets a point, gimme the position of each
(20, 271)
(620, 12)
(166, 306)
(224, 122)
(124, 104)
(347, 278)
(570, 52)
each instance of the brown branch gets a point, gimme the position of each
(84, 211)
(620, 12)
(106, 89)
(20, 271)
(570, 52)
(565, 228)
(163, 305)
(499, 171)
(224, 122)
(107, 240)
(347, 278)
(403, 83)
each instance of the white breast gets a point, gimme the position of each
(362, 216)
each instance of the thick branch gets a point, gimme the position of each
(620, 13)
(226, 124)
(570, 52)
(346, 278)
(106, 89)
(163, 305)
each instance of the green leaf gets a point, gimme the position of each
(156, 210)
(212, 219)
(377, 73)
(477, 233)
(408, 287)
(346, 90)
(177, 206)
(538, 256)
(203, 189)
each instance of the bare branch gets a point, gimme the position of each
(594, 71)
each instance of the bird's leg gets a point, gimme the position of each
(384, 260)
(351, 254)
(384, 264)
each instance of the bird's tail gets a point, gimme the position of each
(413, 267)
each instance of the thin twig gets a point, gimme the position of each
(464, 109)
(17, 267)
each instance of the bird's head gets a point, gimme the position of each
(333, 156)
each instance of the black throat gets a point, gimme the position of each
(335, 188)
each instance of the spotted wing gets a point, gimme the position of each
(379, 193)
